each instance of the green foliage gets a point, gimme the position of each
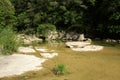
(103, 17)
(45, 11)
(93, 16)
(44, 29)
(6, 7)
(7, 17)
(8, 41)
(60, 69)
(115, 16)
(114, 29)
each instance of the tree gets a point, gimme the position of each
(103, 18)
(114, 27)
(60, 13)
(7, 17)
(43, 30)
(98, 18)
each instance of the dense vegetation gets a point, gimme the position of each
(98, 18)
(7, 12)
(8, 43)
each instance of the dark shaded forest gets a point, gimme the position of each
(96, 18)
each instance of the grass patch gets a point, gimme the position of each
(60, 69)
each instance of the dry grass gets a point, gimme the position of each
(102, 65)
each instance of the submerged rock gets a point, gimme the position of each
(88, 48)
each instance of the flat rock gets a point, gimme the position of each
(26, 50)
(41, 49)
(49, 55)
(77, 44)
(88, 48)
(17, 64)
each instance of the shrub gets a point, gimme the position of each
(60, 69)
(44, 29)
(8, 41)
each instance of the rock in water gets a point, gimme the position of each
(81, 37)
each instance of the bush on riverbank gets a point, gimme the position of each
(8, 41)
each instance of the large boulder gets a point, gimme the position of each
(81, 37)
(52, 35)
